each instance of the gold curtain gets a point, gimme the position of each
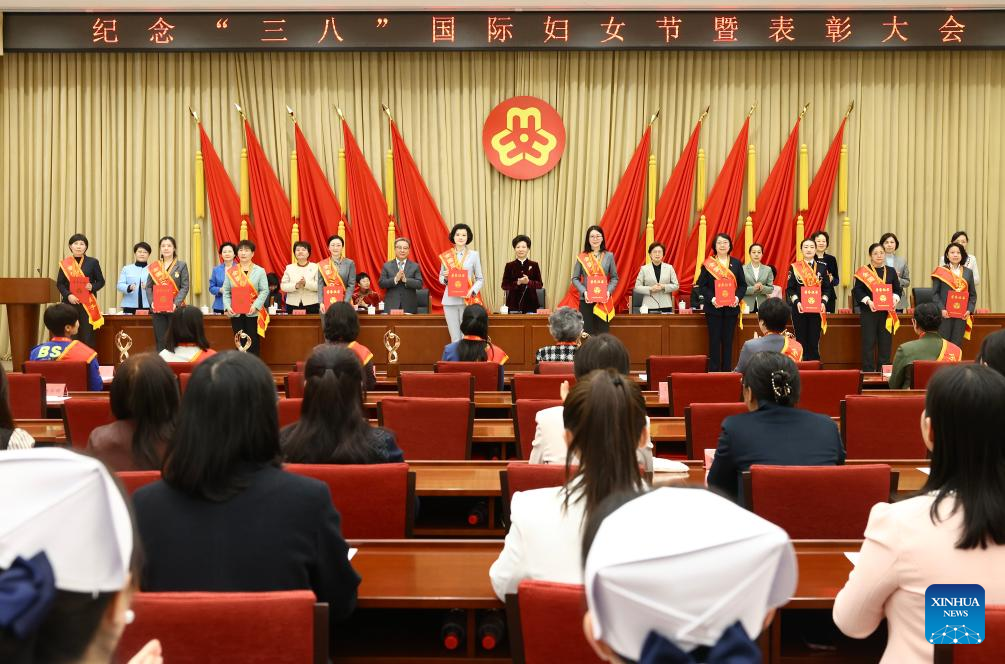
(103, 144)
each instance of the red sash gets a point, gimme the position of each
(162, 276)
(593, 268)
(958, 284)
(331, 278)
(493, 353)
(238, 279)
(868, 276)
(792, 348)
(716, 269)
(362, 352)
(808, 276)
(950, 352)
(76, 351)
(449, 259)
(71, 268)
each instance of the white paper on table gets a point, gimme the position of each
(668, 466)
(925, 470)
(55, 401)
(352, 552)
(852, 556)
(643, 377)
(107, 372)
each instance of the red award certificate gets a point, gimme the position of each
(882, 297)
(163, 300)
(811, 299)
(334, 293)
(457, 282)
(596, 289)
(240, 299)
(725, 292)
(956, 303)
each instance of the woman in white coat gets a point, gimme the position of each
(657, 281)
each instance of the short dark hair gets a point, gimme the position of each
(964, 402)
(772, 377)
(462, 227)
(521, 238)
(726, 237)
(872, 248)
(928, 316)
(78, 237)
(228, 419)
(756, 244)
(403, 239)
(305, 245)
(963, 253)
(335, 237)
(475, 323)
(246, 244)
(228, 244)
(186, 327)
(601, 351)
(603, 241)
(653, 245)
(145, 391)
(826, 235)
(58, 316)
(6, 417)
(273, 279)
(957, 234)
(341, 324)
(993, 351)
(174, 243)
(805, 240)
(360, 276)
(886, 236)
(774, 313)
(142, 245)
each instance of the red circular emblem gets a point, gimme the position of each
(524, 137)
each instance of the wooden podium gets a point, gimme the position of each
(23, 297)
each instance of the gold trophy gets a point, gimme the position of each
(242, 341)
(123, 342)
(392, 342)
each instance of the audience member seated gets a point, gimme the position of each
(341, 328)
(364, 296)
(662, 594)
(474, 346)
(772, 317)
(952, 532)
(226, 517)
(65, 590)
(332, 426)
(601, 351)
(11, 438)
(929, 346)
(993, 351)
(144, 399)
(62, 322)
(774, 432)
(605, 424)
(566, 327)
(186, 337)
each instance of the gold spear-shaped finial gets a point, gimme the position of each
(240, 110)
(339, 111)
(194, 115)
(655, 116)
(289, 111)
(851, 107)
(387, 112)
(704, 114)
(802, 113)
(753, 107)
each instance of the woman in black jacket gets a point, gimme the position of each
(88, 268)
(721, 317)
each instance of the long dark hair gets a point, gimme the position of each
(968, 450)
(186, 328)
(475, 323)
(6, 417)
(772, 377)
(586, 241)
(332, 426)
(229, 420)
(145, 391)
(606, 414)
(993, 351)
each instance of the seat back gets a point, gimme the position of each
(488, 375)
(425, 384)
(923, 370)
(822, 391)
(524, 422)
(531, 386)
(289, 410)
(542, 298)
(228, 628)
(691, 388)
(659, 367)
(82, 416)
(991, 651)
(133, 480)
(563, 368)
(921, 296)
(26, 393)
(809, 365)
(529, 476)
(553, 615)
(294, 384)
(183, 382)
(703, 424)
(883, 427)
(428, 428)
(422, 301)
(818, 502)
(180, 368)
(71, 373)
(375, 500)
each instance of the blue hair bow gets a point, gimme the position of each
(27, 590)
(733, 647)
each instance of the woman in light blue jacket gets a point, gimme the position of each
(247, 323)
(132, 279)
(228, 250)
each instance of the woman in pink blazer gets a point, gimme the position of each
(953, 532)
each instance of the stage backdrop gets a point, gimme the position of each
(103, 144)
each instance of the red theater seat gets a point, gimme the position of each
(818, 502)
(429, 429)
(529, 386)
(26, 393)
(294, 383)
(923, 370)
(229, 628)
(289, 411)
(553, 368)
(488, 375)
(524, 421)
(691, 388)
(70, 373)
(883, 427)
(375, 501)
(528, 476)
(809, 365)
(546, 624)
(81, 416)
(991, 651)
(822, 391)
(137, 479)
(659, 367)
(424, 384)
(703, 424)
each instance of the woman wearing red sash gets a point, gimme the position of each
(245, 274)
(877, 326)
(86, 273)
(595, 261)
(954, 276)
(167, 272)
(338, 271)
(474, 345)
(460, 257)
(721, 317)
(808, 272)
(341, 328)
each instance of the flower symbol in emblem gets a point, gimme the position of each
(524, 138)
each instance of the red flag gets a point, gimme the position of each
(774, 225)
(722, 209)
(822, 187)
(622, 224)
(270, 207)
(224, 202)
(420, 218)
(673, 210)
(367, 245)
(320, 211)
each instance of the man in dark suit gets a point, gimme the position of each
(401, 279)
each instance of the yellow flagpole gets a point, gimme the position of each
(200, 215)
(700, 181)
(843, 170)
(342, 193)
(294, 203)
(846, 255)
(651, 215)
(389, 187)
(800, 232)
(804, 178)
(245, 184)
(702, 238)
(751, 179)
